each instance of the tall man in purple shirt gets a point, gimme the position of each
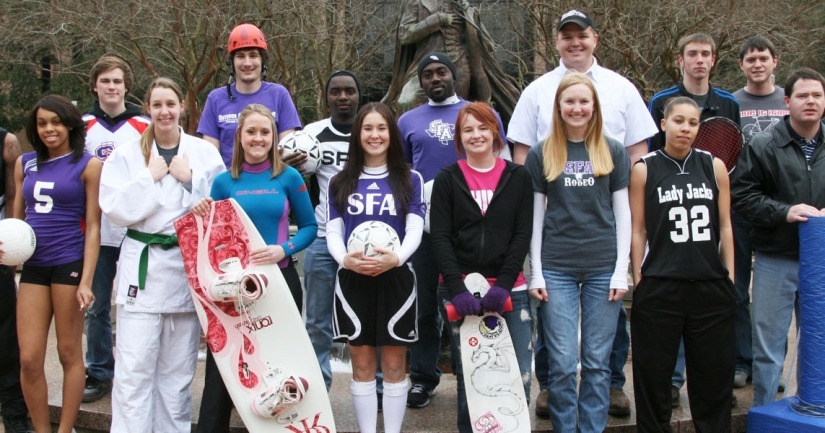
(247, 61)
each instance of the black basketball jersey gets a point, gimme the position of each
(682, 217)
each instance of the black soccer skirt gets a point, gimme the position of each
(376, 311)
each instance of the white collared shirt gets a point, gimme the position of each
(625, 115)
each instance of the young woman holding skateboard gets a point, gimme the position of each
(481, 220)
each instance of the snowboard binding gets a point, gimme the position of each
(279, 400)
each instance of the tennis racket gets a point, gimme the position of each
(722, 138)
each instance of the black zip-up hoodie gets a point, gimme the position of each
(465, 241)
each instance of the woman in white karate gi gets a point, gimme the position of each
(145, 186)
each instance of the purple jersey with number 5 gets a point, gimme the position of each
(55, 200)
(373, 200)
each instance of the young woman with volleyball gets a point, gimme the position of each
(682, 261)
(145, 186)
(481, 221)
(375, 297)
(57, 194)
(579, 252)
(267, 189)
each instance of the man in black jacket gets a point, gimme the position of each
(779, 182)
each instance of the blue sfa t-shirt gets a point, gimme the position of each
(220, 114)
(579, 231)
(373, 200)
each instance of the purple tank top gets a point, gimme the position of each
(55, 200)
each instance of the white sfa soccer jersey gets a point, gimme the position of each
(373, 200)
(334, 148)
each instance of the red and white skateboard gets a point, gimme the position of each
(253, 329)
(492, 379)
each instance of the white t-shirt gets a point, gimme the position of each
(625, 115)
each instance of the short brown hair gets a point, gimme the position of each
(107, 63)
(802, 74)
(703, 38)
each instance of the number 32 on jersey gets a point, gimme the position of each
(690, 225)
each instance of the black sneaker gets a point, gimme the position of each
(95, 389)
(17, 425)
(419, 396)
(380, 401)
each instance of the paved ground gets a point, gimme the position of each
(439, 416)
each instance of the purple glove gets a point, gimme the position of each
(466, 304)
(494, 300)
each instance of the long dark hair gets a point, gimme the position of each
(69, 116)
(345, 182)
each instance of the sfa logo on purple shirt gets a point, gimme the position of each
(371, 203)
(443, 132)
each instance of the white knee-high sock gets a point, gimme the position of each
(365, 401)
(395, 404)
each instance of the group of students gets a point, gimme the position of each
(577, 206)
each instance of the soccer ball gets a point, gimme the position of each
(428, 194)
(300, 141)
(18, 241)
(373, 234)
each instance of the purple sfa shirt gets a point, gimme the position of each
(55, 200)
(428, 134)
(220, 115)
(373, 201)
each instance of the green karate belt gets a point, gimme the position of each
(165, 242)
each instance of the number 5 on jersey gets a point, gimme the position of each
(44, 202)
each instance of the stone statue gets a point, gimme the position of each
(454, 28)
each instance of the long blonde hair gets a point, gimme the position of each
(238, 156)
(554, 152)
(148, 136)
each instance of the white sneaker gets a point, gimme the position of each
(283, 393)
(740, 379)
(231, 286)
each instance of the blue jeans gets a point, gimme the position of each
(520, 325)
(678, 377)
(100, 359)
(424, 353)
(618, 355)
(743, 264)
(567, 292)
(775, 280)
(319, 278)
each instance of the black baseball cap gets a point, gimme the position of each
(577, 16)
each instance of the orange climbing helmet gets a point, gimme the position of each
(246, 36)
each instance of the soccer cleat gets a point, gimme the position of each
(232, 286)
(283, 394)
